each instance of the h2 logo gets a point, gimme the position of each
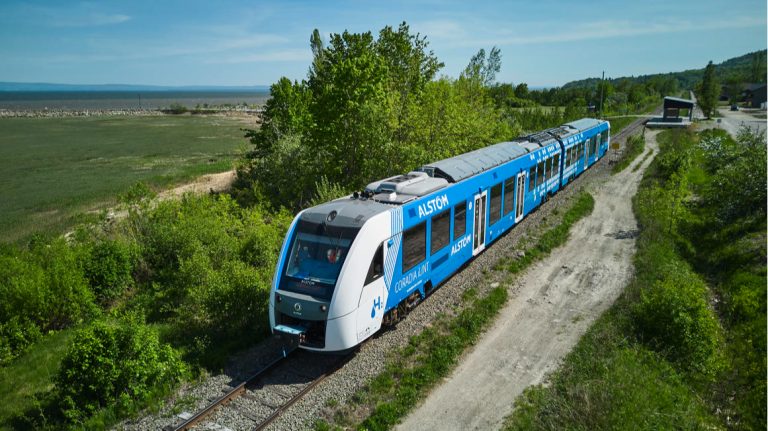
(376, 304)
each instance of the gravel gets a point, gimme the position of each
(371, 358)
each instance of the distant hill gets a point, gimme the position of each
(35, 86)
(686, 79)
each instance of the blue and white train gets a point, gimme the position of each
(351, 265)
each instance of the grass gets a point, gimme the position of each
(635, 147)
(30, 374)
(431, 355)
(648, 154)
(53, 169)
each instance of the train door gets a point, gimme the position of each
(478, 237)
(520, 189)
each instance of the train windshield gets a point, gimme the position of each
(315, 258)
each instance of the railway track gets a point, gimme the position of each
(260, 399)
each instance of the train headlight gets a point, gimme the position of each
(323, 308)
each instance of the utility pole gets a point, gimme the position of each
(602, 85)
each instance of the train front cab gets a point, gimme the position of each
(321, 299)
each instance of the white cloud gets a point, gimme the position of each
(91, 20)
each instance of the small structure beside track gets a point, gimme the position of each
(671, 113)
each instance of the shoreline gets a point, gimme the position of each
(66, 113)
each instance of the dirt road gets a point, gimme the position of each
(207, 183)
(550, 307)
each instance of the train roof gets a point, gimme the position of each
(584, 124)
(472, 163)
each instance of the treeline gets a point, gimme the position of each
(614, 96)
(748, 68)
(685, 344)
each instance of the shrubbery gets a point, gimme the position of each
(108, 268)
(42, 288)
(120, 364)
(15, 335)
(674, 317)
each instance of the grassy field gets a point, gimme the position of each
(52, 169)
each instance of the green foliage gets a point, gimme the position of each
(369, 109)
(738, 185)
(484, 70)
(205, 265)
(16, 334)
(534, 119)
(635, 146)
(25, 382)
(113, 363)
(109, 268)
(177, 108)
(44, 285)
(708, 91)
(137, 193)
(674, 317)
(325, 191)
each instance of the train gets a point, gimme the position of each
(353, 265)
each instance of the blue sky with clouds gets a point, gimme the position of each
(543, 42)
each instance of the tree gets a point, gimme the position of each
(484, 69)
(521, 91)
(733, 86)
(709, 91)
(757, 67)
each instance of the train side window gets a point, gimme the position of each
(509, 195)
(549, 168)
(570, 156)
(540, 174)
(532, 179)
(376, 269)
(441, 231)
(414, 246)
(495, 213)
(556, 164)
(459, 220)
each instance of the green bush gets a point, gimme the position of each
(674, 317)
(113, 364)
(45, 285)
(108, 268)
(15, 335)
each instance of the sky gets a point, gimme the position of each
(542, 42)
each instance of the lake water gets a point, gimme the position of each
(79, 100)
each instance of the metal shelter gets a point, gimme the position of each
(673, 105)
